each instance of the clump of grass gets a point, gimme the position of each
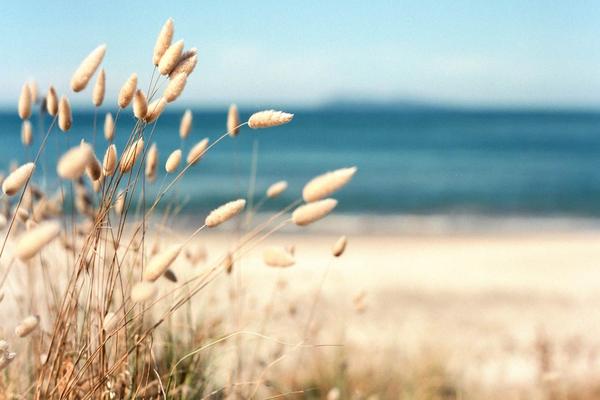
(94, 323)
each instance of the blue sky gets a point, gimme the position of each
(509, 53)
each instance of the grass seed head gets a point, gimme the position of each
(140, 104)
(155, 109)
(65, 118)
(99, 89)
(196, 152)
(87, 68)
(163, 41)
(173, 161)
(268, 119)
(233, 121)
(170, 58)
(17, 179)
(311, 212)
(275, 256)
(25, 101)
(73, 163)
(276, 189)
(26, 133)
(127, 91)
(339, 246)
(224, 213)
(161, 262)
(324, 185)
(130, 155)
(27, 325)
(109, 164)
(31, 242)
(185, 127)
(52, 101)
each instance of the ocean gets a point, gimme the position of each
(423, 162)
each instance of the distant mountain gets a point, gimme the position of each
(400, 105)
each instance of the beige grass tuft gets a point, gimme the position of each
(275, 256)
(324, 185)
(276, 189)
(173, 161)
(233, 121)
(109, 164)
(127, 91)
(109, 127)
(339, 246)
(155, 109)
(171, 57)
(159, 264)
(185, 127)
(65, 119)
(196, 152)
(224, 213)
(268, 119)
(163, 41)
(33, 90)
(31, 242)
(52, 101)
(130, 155)
(311, 212)
(94, 169)
(140, 104)
(26, 133)
(27, 325)
(17, 179)
(87, 68)
(73, 163)
(175, 88)
(25, 101)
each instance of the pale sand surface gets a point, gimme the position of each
(479, 302)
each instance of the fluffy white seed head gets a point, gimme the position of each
(27, 325)
(65, 119)
(155, 109)
(32, 241)
(311, 212)
(17, 179)
(276, 189)
(33, 90)
(94, 169)
(171, 57)
(140, 104)
(99, 89)
(197, 151)
(151, 162)
(130, 155)
(185, 127)
(127, 91)
(161, 262)
(186, 64)
(109, 164)
(120, 203)
(110, 321)
(26, 133)
(73, 163)
(175, 87)
(25, 101)
(143, 291)
(224, 213)
(173, 161)
(268, 119)
(52, 101)
(233, 121)
(109, 127)
(275, 256)
(339, 246)
(163, 41)
(326, 184)
(87, 68)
